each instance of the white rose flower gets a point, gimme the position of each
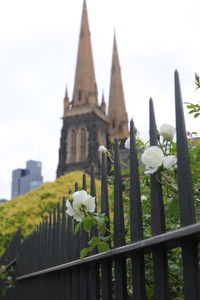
(81, 203)
(169, 161)
(127, 143)
(152, 158)
(167, 132)
(143, 197)
(102, 148)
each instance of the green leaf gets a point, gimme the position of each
(85, 251)
(196, 115)
(77, 228)
(100, 219)
(103, 246)
(190, 106)
(192, 111)
(125, 171)
(172, 206)
(197, 80)
(87, 223)
(105, 218)
(94, 241)
(102, 228)
(106, 238)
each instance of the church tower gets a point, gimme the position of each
(85, 124)
(117, 115)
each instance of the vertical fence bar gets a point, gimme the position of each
(106, 267)
(161, 286)
(50, 241)
(39, 248)
(158, 218)
(94, 293)
(119, 234)
(59, 253)
(84, 185)
(136, 220)
(63, 231)
(69, 249)
(64, 274)
(84, 286)
(54, 239)
(84, 235)
(186, 200)
(58, 223)
(75, 254)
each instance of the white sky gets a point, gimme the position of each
(38, 49)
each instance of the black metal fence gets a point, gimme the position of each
(48, 265)
(8, 261)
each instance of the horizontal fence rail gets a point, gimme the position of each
(137, 267)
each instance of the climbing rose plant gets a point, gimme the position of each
(81, 206)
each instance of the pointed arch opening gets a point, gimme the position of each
(82, 144)
(113, 123)
(71, 146)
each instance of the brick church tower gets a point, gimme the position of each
(86, 125)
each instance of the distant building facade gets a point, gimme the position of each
(2, 201)
(86, 124)
(25, 180)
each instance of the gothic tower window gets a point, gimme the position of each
(83, 144)
(113, 123)
(73, 146)
(79, 95)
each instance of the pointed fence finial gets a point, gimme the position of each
(186, 200)
(152, 124)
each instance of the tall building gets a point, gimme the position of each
(25, 180)
(2, 201)
(86, 125)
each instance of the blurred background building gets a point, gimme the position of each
(2, 201)
(25, 180)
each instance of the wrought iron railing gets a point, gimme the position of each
(48, 264)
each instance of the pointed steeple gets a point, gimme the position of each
(85, 88)
(117, 115)
(66, 100)
(103, 103)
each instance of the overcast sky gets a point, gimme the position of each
(38, 49)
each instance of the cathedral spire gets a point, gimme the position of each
(85, 89)
(117, 115)
(66, 100)
(103, 103)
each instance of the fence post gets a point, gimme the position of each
(186, 200)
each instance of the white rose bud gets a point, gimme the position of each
(143, 197)
(152, 158)
(127, 143)
(102, 148)
(169, 161)
(167, 132)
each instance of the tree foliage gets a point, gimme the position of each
(26, 211)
